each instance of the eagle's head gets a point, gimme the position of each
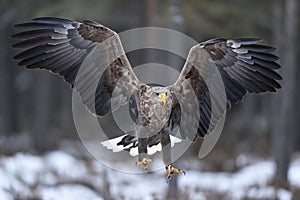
(162, 95)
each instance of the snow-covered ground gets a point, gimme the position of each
(59, 175)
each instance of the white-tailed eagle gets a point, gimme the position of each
(90, 57)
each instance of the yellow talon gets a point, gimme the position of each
(144, 163)
(172, 170)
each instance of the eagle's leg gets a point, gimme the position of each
(166, 147)
(143, 156)
(166, 154)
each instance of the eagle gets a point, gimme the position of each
(91, 59)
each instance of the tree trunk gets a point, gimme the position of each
(285, 130)
(41, 137)
(8, 114)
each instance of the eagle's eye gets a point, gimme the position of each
(156, 93)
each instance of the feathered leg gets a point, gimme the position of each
(166, 147)
(167, 155)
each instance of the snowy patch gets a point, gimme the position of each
(59, 175)
(5, 195)
(284, 194)
(250, 182)
(21, 163)
(68, 192)
(144, 186)
(65, 165)
(294, 173)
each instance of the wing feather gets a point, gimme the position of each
(244, 65)
(88, 55)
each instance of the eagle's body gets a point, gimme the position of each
(90, 57)
(153, 114)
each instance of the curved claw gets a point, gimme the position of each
(172, 170)
(144, 162)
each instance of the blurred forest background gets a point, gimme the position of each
(36, 107)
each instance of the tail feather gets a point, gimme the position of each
(130, 143)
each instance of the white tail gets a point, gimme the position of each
(112, 144)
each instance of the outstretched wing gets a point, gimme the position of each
(243, 65)
(88, 55)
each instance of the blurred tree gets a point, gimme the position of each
(42, 138)
(285, 130)
(8, 104)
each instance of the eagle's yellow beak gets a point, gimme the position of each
(163, 97)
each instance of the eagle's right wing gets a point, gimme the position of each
(88, 55)
(217, 73)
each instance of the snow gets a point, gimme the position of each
(145, 186)
(21, 163)
(64, 164)
(68, 192)
(5, 195)
(294, 173)
(251, 182)
(284, 194)
(59, 175)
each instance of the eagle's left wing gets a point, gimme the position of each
(217, 73)
(88, 55)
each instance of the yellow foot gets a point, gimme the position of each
(145, 163)
(172, 170)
